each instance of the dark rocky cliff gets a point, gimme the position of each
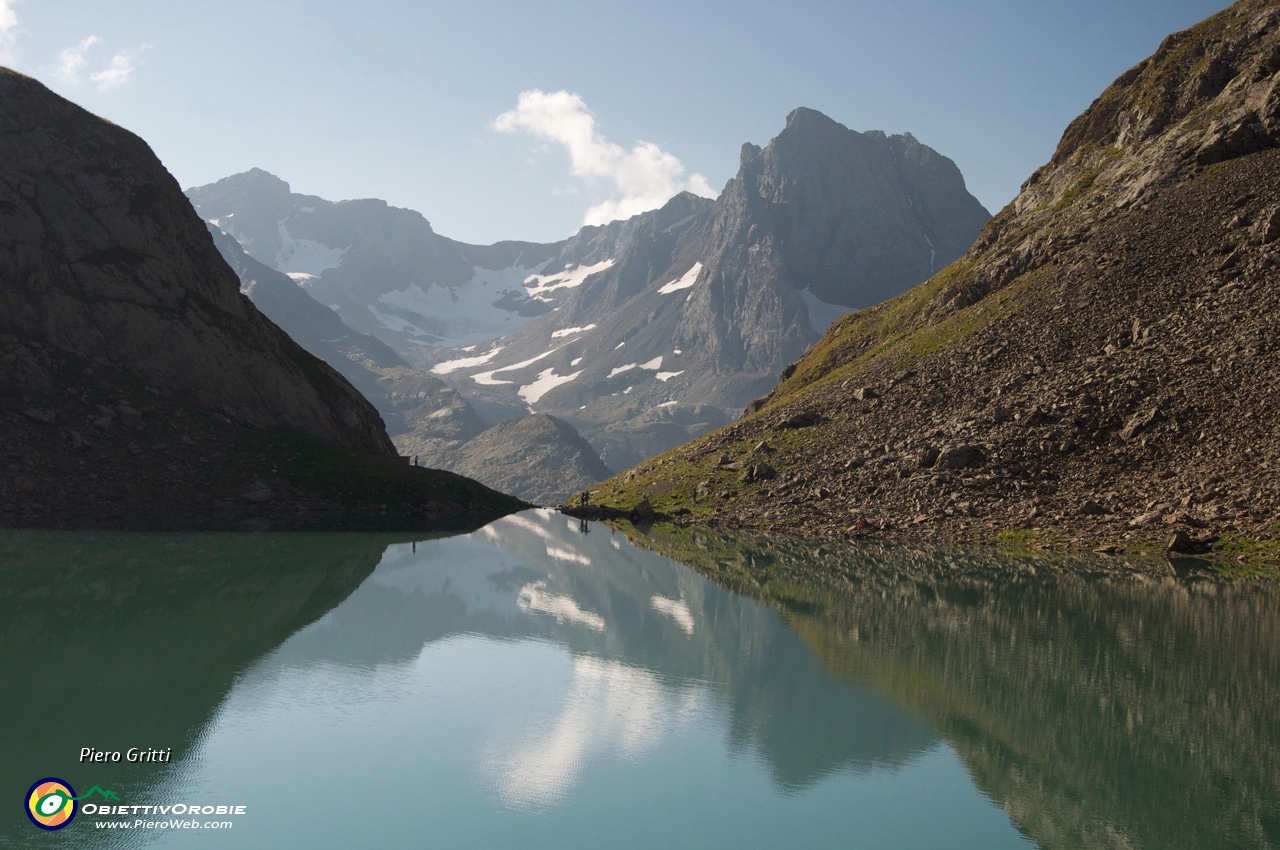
(141, 389)
(106, 260)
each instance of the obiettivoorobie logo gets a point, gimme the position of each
(51, 802)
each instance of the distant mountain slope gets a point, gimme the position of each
(642, 333)
(409, 400)
(141, 389)
(692, 310)
(539, 457)
(530, 458)
(1101, 366)
(382, 268)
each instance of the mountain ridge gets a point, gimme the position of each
(1097, 369)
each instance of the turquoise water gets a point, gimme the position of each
(529, 685)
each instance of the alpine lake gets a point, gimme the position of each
(545, 683)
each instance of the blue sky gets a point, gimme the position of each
(417, 102)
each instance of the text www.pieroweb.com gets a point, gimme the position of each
(181, 816)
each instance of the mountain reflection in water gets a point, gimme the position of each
(530, 685)
(1100, 705)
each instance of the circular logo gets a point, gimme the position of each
(51, 803)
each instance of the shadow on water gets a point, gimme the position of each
(1102, 707)
(113, 641)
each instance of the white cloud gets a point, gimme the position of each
(9, 31)
(646, 176)
(114, 75)
(71, 60)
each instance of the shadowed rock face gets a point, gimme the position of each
(857, 217)
(103, 258)
(139, 388)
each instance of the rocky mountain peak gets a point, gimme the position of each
(804, 119)
(860, 216)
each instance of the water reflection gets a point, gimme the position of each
(1101, 707)
(639, 664)
(530, 685)
(114, 641)
(611, 710)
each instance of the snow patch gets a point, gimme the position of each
(528, 525)
(677, 351)
(571, 331)
(621, 369)
(666, 376)
(305, 255)
(467, 314)
(619, 345)
(933, 254)
(464, 362)
(667, 403)
(487, 379)
(335, 307)
(685, 281)
(575, 361)
(538, 285)
(821, 314)
(547, 381)
(653, 365)
(568, 555)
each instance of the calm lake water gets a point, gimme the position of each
(531, 685)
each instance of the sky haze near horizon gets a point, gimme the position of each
(514, 121)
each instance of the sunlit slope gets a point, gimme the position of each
(1101, 366)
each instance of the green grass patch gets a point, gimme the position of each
(1016, 540)
(1241, 555)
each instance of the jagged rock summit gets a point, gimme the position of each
(1100, 369)
(141, 387)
